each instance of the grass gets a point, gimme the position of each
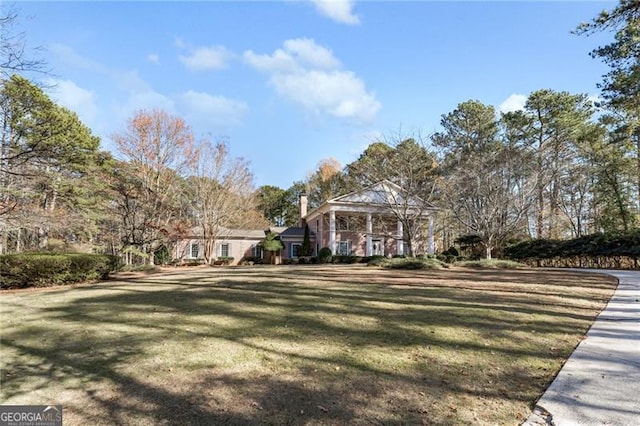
(297, 345)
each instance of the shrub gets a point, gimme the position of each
(451, 251)
(491, 263)
(347, 259)
(161, 256)
(324, 255)
(378, 261)
(223, 260)
(415, 263)
(48, 269)
(407, 263)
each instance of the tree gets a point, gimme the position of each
(223, 192)
(305, 248)
(412, 168)
(276, 206)
(47, 160)
(326, 182)
(621, 85)
(159, 148)
(273, 245)
(486, 185)
(551, 126)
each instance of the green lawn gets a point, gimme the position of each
(296, 345)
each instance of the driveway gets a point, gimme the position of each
(600, 383)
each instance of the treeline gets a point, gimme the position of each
(560, 167)
(617, 250)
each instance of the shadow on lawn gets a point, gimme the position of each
(333, 387)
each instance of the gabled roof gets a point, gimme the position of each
(380, 195)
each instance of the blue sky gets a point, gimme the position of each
(289, 83)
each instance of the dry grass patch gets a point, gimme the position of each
(297, 345)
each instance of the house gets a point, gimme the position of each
(362, 223)
(365, 222)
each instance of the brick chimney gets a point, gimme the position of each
(304, 203)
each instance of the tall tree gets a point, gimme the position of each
(278, 205)
(326, 182)
(46, 158)
(486, 178)
(552, 125)
(224, 193)
(621, 85)
(159, 148)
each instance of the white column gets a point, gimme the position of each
(400, 240)
(320, 234)
(369, 234)
(332, 231)
(430, 244)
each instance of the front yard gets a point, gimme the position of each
(296, 345)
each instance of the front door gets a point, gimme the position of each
(377, 248)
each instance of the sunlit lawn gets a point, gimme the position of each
(296, 345)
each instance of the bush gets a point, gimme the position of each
(451, 251)
(324, 255)
(48, 269)
(346, 259)
(491, 263)
(378, 261)
(415, 263)
(161, 256)
(411, 263)
(223, 260)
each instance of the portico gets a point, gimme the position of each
(365, 223)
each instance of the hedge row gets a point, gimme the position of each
(596, 250)
(49, 269)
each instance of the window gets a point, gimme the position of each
(256, 251)
(405, 248)
(194, 251)
(225, 250)
(295, 249)
(343, 248)
(342, 224)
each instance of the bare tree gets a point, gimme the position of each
(224, 194)
(159, 148)
(406, 171)
(15, 55)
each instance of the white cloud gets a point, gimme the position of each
(296, 54)
(280, 61)
(206, 58)
(208, 111)
(340, 11)
(152, 57)
(338, 93)
(513, 103)
(307, 51)
(79, 100)
(311, 76)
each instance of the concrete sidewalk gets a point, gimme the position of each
(600, 383)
